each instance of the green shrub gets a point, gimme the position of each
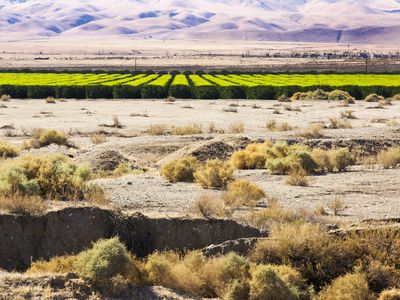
(105, 260)
(265, 284)
(153, 91)
(322, 159)
(71, 92)
(261, 92)
(248, 160)
(348, 287)
(40, 92)
(126, 92)
(180, 170)
(99, 92)
(50, 177)
(180, 91)
(206, 92)
(215, 174)
(7, 150)
(232, 92)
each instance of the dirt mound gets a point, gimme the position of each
(213, 149)
(52, 149)
(71, 230)
(102, 160)
(69, 286)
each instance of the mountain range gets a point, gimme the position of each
(336, 21)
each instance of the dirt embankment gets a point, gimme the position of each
(71, 230)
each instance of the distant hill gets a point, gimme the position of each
(338, 21)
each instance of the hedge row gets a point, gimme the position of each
(183, 91)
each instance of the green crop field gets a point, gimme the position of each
(207, 86)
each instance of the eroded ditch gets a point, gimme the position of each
(71, 230)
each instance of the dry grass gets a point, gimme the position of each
(393, 294)
(348, 114)
(57, 265)
(313, 131)
(44, 137)
(209, 206)
(350, 286)
(230, 109)
(7, 150)
(157, 129)
(339, 124)
(212, 128)
(337, 205)
(374, 98)
(389, 158)
(116, 123)
(274, 126)
(98, 139)
(237, 128)
(192, 129)
(50, 100)
(298, 177)
(242, 192)
(5, 98)
(23, 205)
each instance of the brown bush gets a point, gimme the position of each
(209, 206)
(298, 177)
(241, 192)
(313, 131)
(44, 137)
(237, 128)
(23, 205)
(98, 139)
(388, 158)
(5, 98)
(374, 98)
(341, 159)
(7, 150)
(157, 129)
(187, 130)
(57, 265)
(393, 294)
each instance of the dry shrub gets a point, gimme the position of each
(242, 192)
(347, 114)
(187, 130)
(381, 277)
(298, 177)
(57, 265)
(116, 123)
(396, 97)
(293, 279)
(266, 284)
(180, 170)
(209, 206)
(322, 158)
(248, 160)
(214, 174)
(123, 169)
(347, 287)
(341, 159)
(387, 158)
(339, 124)
(50, 100)
(393, 294)
(157, 129)
(212, 128)
(374, 98)
(5, 98)
(274, 214)
(7, 150)
(337, 205)
(23, 205)
(339, 95)
(48, 176)
(276, 127)
(44, 137)
(98, 139)
(313, 131)
(230, 109)
(237, 128)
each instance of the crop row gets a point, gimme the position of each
(231, 86)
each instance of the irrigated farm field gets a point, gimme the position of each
(200, 86)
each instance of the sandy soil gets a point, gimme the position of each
(133, 54)
(367, 192)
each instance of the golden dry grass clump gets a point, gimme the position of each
(209, 206)
(192, 129)
(242, 192)
(313, 131)
(393, 294)
(180, 170)
(347, 287)
(214, 174)
(7, 150)
(44, 137)
(374, 98)
(388, 158)
(157, 129)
